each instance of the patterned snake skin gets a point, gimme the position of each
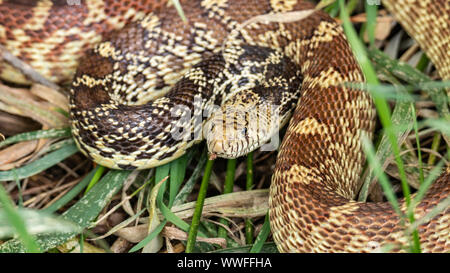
(318, 168)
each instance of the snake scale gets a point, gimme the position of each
(119, 123)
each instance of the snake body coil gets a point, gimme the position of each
(117, 122)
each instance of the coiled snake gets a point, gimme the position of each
(117, 123)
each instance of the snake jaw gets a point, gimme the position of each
(217, 147)
(224, 148)
(224, 136)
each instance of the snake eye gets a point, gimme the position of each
(244, 131)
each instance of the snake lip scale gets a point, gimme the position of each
(131, 62)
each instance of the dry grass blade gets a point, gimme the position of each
(15, 155)
(74, 246)
(47, 193)
(131, 177)
(51, 95)
(21, 102)
(237, 204)
(174, 233)
(133, 234)
(138, 233)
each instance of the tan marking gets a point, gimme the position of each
(301, 174)
(282, 5)
(332, 77)
(208, 4)
(150, 22)
(310, 126)
(40, 15)
(90, 82)
(106, 49)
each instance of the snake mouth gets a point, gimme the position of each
(226, 137)
(225, 145)
(227, 149)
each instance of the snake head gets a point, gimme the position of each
(236, 130)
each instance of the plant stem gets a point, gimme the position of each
(249, 186)
(228, 188)
(198, 208)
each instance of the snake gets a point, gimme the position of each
(139, 74)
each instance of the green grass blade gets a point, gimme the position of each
(423, 62)
(177, 221)
(425, 185)
(382, 178)
(98, 173)
(262, 236)
(161, 173)
(439, 208)
(18, 223)
(435, 144)
(419, 150)
(351, 5)
(249, 186)
(51, 133)
(36, 222)
(72, 193)
(357, 46)
(88, 207)
(371, 12)
(331, 7)
(383, 109)
(411, 76)
(401, 118)
(149, 237)
(177, 173)
(439, 124)
(82, 213)
(39, 165)
(193, 230)
(190, 183)
(228, 188)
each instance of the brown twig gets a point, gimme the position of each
(25, 68)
